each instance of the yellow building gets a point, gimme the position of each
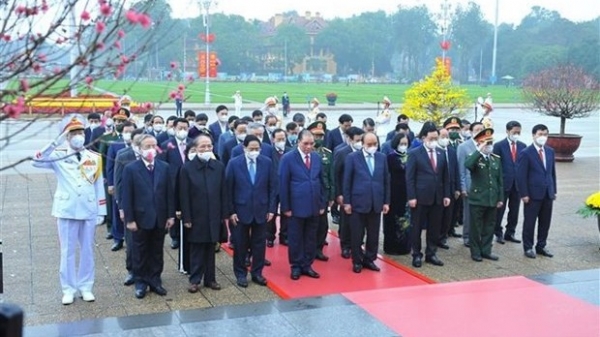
(316, 61)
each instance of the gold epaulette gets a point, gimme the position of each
(326, 149)
(494, 155)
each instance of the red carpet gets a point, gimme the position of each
(513, 306)
(336, 274)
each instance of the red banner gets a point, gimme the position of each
(213, 63)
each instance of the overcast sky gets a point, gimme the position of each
(511, 11)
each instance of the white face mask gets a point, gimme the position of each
(200, 127)
(271, 128)
(371, 150)
(206, 156)
(93, 126)
(252, 155)
(280, 145)
(488, 149)
(109, 122)
(514, 137)
(158, 127)
(171, 132)
(541, 140)
(466, 134)
(77, 142)
(127, 137)
(241, 137)
(272, 111)
(402, 148)
(357, 146)
(191, 156)
(181, 134)
(443, 142)
(432, 144)
(223, 118)
(149, 154)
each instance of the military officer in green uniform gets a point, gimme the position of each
(485, 195)
(105, 140)
(318, 130)
(453, 125)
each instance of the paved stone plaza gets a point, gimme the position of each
(31, 251)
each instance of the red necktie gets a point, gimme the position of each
(307, 161)
(432, 160)
(541, 153)
(513, 151)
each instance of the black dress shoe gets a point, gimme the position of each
(455, 235)
(511, 238)
(174, 244)
(260, 280)
(443, 245)
(544, 252)
(371, 266)
(270, 243)
(357, 268)
(490, 257)
(500, 240)
(295, 275)
(530, 253)
(129, 280)
(159, 290)
(434, 260)
(242, 282)
(267, 263)
(214, 285)
(108, 236)
(117, 246)
(140, 293)
(417, 262)
(311, 273)
(346, 253)
(322, 257)
(476, 258)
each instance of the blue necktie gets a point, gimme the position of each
(370, 163)
(252, 171)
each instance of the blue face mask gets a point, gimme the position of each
(293, 138)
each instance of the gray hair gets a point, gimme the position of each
(143, 137)
(255, 126)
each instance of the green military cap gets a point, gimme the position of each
(452, 122)
(317, 128)
(485, 135)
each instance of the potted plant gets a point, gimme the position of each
(331, 98)
(566, 92)
(591, 208)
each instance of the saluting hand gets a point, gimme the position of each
(132, 226)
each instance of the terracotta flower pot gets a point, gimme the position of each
(564, 146)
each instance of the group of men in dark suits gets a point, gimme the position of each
(264, 173)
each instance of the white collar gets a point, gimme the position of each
(302, 154)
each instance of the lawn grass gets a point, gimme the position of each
(299, 93)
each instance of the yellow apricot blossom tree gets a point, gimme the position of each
(435, 98)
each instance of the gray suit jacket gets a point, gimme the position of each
(462, 152)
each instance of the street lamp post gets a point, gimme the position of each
(206, 6)
(495, 49)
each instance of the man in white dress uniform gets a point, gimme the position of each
(78, 201)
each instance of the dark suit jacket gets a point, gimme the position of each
(147, 200)
(365, 192)
(227, 150)
(111, 156)
(429, 187)
(390, 135)
(172, 156)
(339, 158)
(163, 137)
(265, 150)
(453, 174)
(215, 131)
(203, 196)
(124, 157)
(276, 157)
(334, 138)
(252, 202)
(509, 168)
(301, 190)
(533, 180)
(93, 140)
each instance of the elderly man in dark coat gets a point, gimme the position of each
(203, 209)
